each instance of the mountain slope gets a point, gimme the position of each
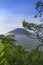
(20, 31)
(23, 40)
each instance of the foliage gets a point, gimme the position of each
(36, 28)
(39, 8)
(7, 39)
(10, 55)
(17, 55)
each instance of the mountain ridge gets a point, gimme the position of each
(20, 31)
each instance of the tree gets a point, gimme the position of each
(39, 8)
(7, 39)
(36, 28)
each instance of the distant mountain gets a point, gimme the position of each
(23, 40)
(20, 31)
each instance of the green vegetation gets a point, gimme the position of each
(7, 39)
(36, 28)
(17, 55)
(10, 55)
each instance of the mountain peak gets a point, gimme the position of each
(19, 31)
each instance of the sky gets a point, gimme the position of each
(13, 12)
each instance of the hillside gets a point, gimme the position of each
(23, 40)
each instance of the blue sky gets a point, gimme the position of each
(13, 12)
